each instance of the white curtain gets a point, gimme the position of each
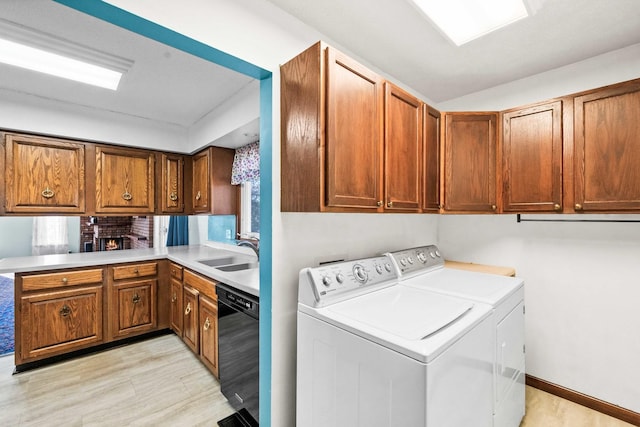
(50, 235)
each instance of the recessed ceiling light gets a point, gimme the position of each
(30, 49)
(464, 20)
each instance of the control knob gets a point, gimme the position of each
(359, 273)
(379, 269)
(422, 257)
(387, 267)
(326, 280)
(410, 259)
(340, 278)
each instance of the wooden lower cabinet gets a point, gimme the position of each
(134, 308)
(175, 311)
(208, 310)
(190, 321)
(58, 322)
(58, 312)
(200, 317)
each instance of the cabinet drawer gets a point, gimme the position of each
(201, 284)
(176, 271)
(60, 321)
(58, 280)
(135, 271)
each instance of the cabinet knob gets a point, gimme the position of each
(136, 271)
(207, 324)
(494, 207)
(188, 309)
(578, 207)
(65, 311)
(557, 207)
(173, 196)
(135, 299)
(198, 196)
(65, 280)
(389, 204)
(127, 196)
(379, 203)
(48, 193)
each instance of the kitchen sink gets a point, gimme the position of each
(238, 267)
(215, 262)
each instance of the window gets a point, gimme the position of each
(250, 209)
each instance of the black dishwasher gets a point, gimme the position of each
(238, 352)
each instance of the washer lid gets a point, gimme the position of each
(404, 313)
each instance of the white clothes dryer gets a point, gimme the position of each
(372, 353)
(423, 268)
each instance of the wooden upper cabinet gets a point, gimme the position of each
(431, 160)
(470, 162)
(607, 149)
(124, 180)
(353, 143)
(332, 134)
(172, 189)
(402, 149)
(212, 189)
(532, 158)
(44, 175)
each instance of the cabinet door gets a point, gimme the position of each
(190, 318)
(124, 181)
(172, 184)
(470, 162)
(532, 159)
(60, 321)
(175, 314)
(402, 149)
(201, 182)
(606, 153)
(431, 160)
(353, 134)
(44, 175)
(209, 333)
(134, 308)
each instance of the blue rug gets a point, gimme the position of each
(6, 315)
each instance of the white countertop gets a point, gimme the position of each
(187, 256)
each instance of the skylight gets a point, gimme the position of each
(464, 20)
(32, 49)
(23, 56)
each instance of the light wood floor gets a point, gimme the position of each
(159, 382)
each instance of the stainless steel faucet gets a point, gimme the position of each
(250, 245)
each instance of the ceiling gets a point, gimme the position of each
(394, 37)
(170, 86)
(164, 84)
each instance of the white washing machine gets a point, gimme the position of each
(372, 353)
(423, 268)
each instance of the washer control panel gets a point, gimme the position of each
(343, 280)
(412, 261)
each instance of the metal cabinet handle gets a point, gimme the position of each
(578, 207)
(379, 202)
(198, 196)
(65, 280)
(127, 196)
(207, 324)
(173, 196)
(65, 311)
(494, 207)
(188, 309)
(136, 298)
(136, 271)
(174, 298)
(48, 193)
(389, 204)
(557, 207)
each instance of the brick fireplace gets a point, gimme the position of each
(116, 233)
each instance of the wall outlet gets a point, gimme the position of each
(228, 234)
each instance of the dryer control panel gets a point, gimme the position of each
(327, 284)
(410, 262)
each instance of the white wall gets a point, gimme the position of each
(581, 278)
